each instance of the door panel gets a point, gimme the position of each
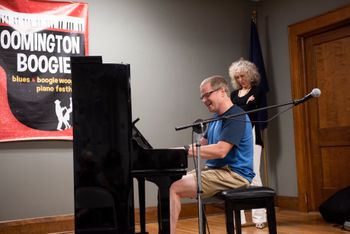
(320, 57)
(328, 56)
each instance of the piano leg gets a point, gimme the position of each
(164, 184)
(142, 204)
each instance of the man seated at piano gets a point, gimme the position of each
(227, 147)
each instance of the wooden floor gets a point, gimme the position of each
(288, 222)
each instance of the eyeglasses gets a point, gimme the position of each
(207, 94)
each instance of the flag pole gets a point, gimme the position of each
(254, 16)
(263, 131)
(266, 177)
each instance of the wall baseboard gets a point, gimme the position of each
(287, 203)
(38, 225)
(65, 223)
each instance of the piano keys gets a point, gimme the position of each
(39, 21)
(109, 151)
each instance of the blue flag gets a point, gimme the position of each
(255, 56)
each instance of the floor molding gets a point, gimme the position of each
(287, 203)
(38, 225)
(65, 223)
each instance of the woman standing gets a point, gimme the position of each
(246, 93)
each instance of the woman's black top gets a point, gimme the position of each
(242, 102)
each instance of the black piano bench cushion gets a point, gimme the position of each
(246, 193)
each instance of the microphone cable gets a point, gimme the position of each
(261, 121)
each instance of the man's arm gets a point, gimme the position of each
(213, 151)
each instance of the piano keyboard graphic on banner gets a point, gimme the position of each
(29, 23)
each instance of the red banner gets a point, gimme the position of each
(37, 39)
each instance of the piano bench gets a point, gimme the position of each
(243, 198)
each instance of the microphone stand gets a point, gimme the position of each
(198, 127)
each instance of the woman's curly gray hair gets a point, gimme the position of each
(250, 70)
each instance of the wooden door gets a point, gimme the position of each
(320, 55)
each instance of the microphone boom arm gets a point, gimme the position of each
(205, 121)
(199, 123)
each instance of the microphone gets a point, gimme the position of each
(316, 92)
(200, 127)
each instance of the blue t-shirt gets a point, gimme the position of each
(238, 132)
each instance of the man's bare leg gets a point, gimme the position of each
(184, 188)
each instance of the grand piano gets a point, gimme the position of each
(109, 151)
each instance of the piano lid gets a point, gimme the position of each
(138, 137)
(146, 159)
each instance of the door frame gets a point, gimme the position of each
(297, 36)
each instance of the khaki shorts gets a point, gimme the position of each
(219, 179)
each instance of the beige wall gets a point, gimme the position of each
(171, 46)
